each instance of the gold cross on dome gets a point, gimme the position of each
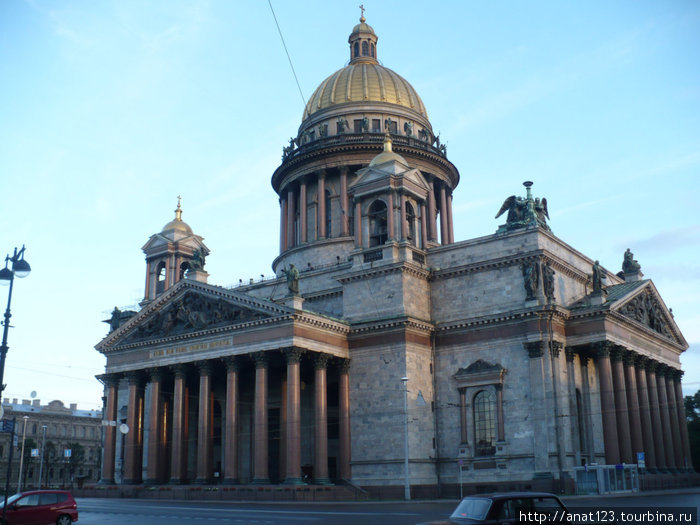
(362, 8)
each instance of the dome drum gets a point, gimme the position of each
(359, 149)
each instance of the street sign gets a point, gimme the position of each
(8, 425)
(67, 453)
(641, 460)
(35, 452)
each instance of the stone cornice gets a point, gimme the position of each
(399, 267)
(390, 324)
(539, 255)
(516, 315)
(335, 292)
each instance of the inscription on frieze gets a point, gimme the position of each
(186, 349)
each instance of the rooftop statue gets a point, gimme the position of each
(524, 212)
(197, 262)
(292, 275)
(629, 263)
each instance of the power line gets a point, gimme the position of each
(286, 51)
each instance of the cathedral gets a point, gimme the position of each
(386, 354)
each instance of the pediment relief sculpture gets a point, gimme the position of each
(479, 366)
(190, 313)
(646, 309)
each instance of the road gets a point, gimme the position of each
(146, 512)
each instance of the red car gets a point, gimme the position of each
(41, 507)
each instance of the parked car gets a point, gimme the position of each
(40, 507)
(510, 507)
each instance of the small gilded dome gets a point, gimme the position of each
(387, 155)
(177, 224)
(361, 28)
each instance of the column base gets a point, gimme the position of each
(203, 481)
(293, 481)
(260, 481)
(134, 481)
(106, 481)
(152, 481)
(175, 481)
(322, 481)
(231, 481)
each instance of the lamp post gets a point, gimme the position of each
(21, 456)
(41, 461)
(19, 268)
(407, 484)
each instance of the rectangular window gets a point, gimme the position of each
(357, 125)
(376, 125)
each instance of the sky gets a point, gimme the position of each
(110, 109)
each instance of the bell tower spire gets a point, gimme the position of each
(173, 254)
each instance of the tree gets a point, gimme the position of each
(49, 458)
(76, 459)
(692, 413)
(29, 444)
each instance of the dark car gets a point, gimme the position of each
(509, 507)
(41, 507)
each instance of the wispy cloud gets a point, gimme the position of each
(542, 83)
(671, 239)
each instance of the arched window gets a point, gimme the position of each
(160, 278)
(356, 50)
(328, 214)
(377, 223)
(183, 269)
(365, 49)
(484, 424)
(411, 224)
(371, 47)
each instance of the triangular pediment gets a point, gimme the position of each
(643, 305)
(379, 178)
(158, 240)
(192, 307)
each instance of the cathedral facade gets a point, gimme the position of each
(502, 359)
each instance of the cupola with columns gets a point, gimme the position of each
(171, 255)
(342, 131)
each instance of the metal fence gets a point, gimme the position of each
(606, 479)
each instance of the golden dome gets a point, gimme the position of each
(387, 155)
(364, 82)
(177, 224)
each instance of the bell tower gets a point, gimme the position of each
(171, 255)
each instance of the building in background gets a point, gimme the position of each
(522, 357)
(65, 428)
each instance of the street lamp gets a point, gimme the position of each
(20, 268)
(21, 457)
(407, 484)
(43, 444)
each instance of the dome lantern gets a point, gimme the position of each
(363, 43)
